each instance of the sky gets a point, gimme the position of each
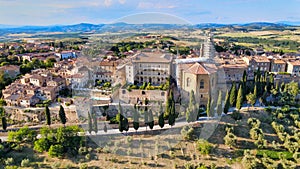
(64, 12)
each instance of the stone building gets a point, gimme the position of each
(154, 67)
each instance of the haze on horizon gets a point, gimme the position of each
(63, 12)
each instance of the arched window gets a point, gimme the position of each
(188, 82)
(201, 84)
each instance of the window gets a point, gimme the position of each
(162, 93)
(201, 84)
(188, 82)
(201, 96)
(143, 92)
(123, 91)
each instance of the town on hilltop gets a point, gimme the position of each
(194, 95)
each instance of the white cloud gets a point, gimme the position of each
(107, 3)
(122, 1)
(149, 5)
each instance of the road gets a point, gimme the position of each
(111, 131)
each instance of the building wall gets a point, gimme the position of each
(293, 69)
(133, 95)
(278, 67)
(202, 94)
(155, 73)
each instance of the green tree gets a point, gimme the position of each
(56, 151)
(48, 116)
(120, 118)
(192, 110)
(151, 120)
(125, 124)
(204, 147)
(219, 103)
(136, 120)
(4, 123)
(41, 145)
(161, 120)
(251, 99)
(146, 118)
(227, 103)
(95, 123)
(240, 98)
(90, 123)
(188, 116)
(62, 115)
(169, 104)
(105, 128)
(208, 106)
(230, 139)
(232, 97)
(192, 101)
(172, 116)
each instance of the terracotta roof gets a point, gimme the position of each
(261, 59)
(278, 61)
(211, 68)
(10, 67)
(295, 63)
(198, 69)
(108, 63)
(152, 57)
(234, 66)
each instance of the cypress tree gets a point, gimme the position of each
(271, 82)
(244, 76)
(125, 124)
(192, 100)
(105, 128)
(120, 118)
(191, 112)
(121, 128)
(232, 97)
(188, 116)
(219, 103)
(208, 107)
(48, 117)
(90, 123)
(239, 101)
(255, 92)
(62, 115)
(227, 103)
(172, 116)
(146, 120)
(136, 123)
(4, 123)
(161, 120)
(151, 120)
(168, 104)
(95, 123)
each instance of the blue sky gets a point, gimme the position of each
(49, 12)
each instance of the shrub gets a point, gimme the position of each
(56, 151)
(204, 147)
(187, 133)
(82, 151)
(41, 145)
(255, 133)
(9, 161)
(230, 139)
(236, 115)
(25, 162)
(83, 166)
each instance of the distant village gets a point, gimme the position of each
(202, 71)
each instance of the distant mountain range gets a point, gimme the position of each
(86, 27)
